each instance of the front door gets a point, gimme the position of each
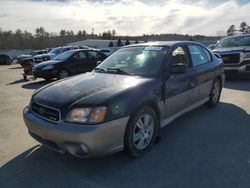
(180, 89)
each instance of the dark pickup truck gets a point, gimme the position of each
(235, 53)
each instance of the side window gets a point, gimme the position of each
(199, 55)
(76, 56)
(208, 54)
(79, 56)
(179, 55)
(94, 55)
(82, 55)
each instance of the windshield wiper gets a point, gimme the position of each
(99, 69)
(119, 71)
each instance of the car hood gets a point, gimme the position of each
(45, 63)
(232, 49)
(87, 89)
(41, 55)
(44, 55)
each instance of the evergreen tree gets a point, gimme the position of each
(119, 42)
(127, 42)
(111, 44)
(243, 28)
(231, 30)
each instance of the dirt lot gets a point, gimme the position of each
(204, 148)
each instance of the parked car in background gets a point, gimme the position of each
(53, 53)
(235, 53)
(106, 51)
(124, 102)
(69, 63)
(29, 57)
(5, 59)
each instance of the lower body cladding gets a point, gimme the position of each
(79, 140)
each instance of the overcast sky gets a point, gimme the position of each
(127, 17)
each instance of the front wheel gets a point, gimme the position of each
(141, 132)
(215, 93)
(62, 74)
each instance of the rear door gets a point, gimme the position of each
(93, 58)
(180, 89)
(202, 62)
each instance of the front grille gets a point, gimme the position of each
(46, 112)
(231, 58)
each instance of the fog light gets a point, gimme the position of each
(25, 110)
(84, 148)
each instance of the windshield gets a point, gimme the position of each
(56, 50)
(64, 56)
(234, 42)
(36, 53)
(142, 61)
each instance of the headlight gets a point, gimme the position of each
(86, 115)
(246, 56)
(46, 58)
(48, 67)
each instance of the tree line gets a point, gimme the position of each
(243, 29)
(41, 39)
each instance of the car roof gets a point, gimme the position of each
(163, 43)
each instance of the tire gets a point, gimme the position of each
(63, 73)
(141, 132)
(215, 93)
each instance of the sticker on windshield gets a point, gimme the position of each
(153, 48)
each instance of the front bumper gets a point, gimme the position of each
(78, 140)
(45, 73)
(241, 69)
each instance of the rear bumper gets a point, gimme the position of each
(78, 140)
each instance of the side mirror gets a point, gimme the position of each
(98, 62)
(179, 68)
(211, 46)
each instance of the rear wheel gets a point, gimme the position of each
(214, 96)
(63, 73)
(141, 131)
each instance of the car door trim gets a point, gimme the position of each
(178, 114)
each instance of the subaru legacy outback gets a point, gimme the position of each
(125, 100)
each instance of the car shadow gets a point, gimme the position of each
(204, 148)
(238, 84)
(35, 85)
(17, 82)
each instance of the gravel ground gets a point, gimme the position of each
(204, 148)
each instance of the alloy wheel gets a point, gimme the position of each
(63, 74)
(143, 131)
